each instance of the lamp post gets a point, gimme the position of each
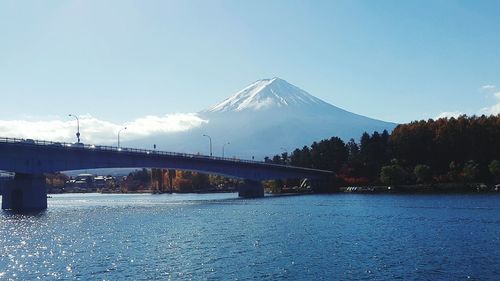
(77, 126)
(210, 143)
(223, 148)
(124, 128)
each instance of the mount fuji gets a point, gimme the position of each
(269, 94)
(267, 117)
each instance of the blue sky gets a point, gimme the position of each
(123, 60)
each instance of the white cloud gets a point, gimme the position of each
(449, 114)
(489, 110)
(488, 87)
(152, 125)
(98, 131)
(494, 109)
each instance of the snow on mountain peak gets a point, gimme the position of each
(265, 94)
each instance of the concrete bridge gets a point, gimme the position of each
(30, 159)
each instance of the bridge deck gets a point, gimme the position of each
(47, 156)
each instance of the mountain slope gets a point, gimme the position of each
(267, 117)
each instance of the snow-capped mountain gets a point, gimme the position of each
(265, 94)
(267, 117)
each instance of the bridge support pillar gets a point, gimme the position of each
(251, 189)
(26, 192)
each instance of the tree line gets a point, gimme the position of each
(180, 182)
(463, 149)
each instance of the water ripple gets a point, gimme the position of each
(217, 236)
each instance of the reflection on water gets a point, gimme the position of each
(218, 236)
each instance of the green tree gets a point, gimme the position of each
(329, 154)
(284, 158)
(352, 148)
(422, 173)
(393, 174)
(470, 171)
(453, 172)
(494, 168)
(373, 153)
(301, 157)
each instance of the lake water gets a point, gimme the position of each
(221, 237)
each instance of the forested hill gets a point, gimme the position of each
(463, 149)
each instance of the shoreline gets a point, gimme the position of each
(441, 188)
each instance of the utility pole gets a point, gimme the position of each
(210, 143)
(124, 128)
(223, 148)
(77, 126)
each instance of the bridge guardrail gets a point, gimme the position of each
(114, 148)
(135, 150)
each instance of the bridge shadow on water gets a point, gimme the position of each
(21, 214)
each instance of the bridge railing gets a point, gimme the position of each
(66, 145)
(115, 149)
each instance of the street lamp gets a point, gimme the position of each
(124, 128)
(210, 143)
(223, 148)
(77, 126)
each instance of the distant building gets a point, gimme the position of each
(100, 182)
(81, 183)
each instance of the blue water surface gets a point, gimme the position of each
(221, 237)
